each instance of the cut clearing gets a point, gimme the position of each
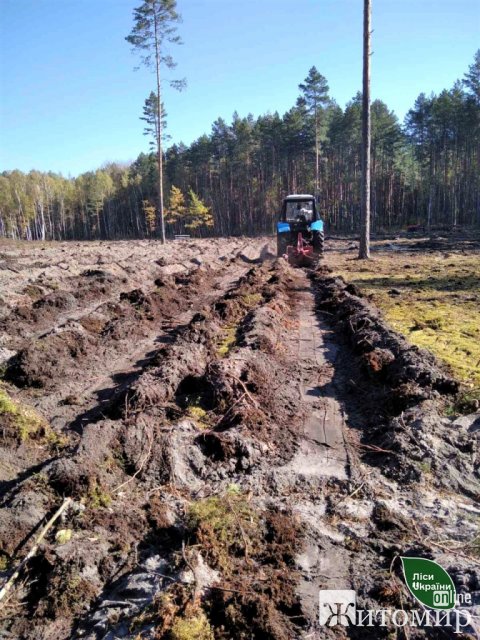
(429, 290)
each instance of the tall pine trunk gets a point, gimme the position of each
(366, 136)
(159, 131)
(317, 157)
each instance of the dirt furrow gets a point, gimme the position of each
(120, 346)
(267, 437)
(187, 368)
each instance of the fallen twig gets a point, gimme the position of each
(452, 550)
(250, 593)
(395, 557)
(326, 312)
(374, 448)
(237, 401)
(354, 492)
(244, 387)
(11, 581)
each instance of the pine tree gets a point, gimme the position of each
(154, 26)
(150, 116)
(315, 95)
(472, 77)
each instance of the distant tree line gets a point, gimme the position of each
(232, 181)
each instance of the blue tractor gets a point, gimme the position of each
(300, 231)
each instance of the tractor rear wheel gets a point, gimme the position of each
(318, 241)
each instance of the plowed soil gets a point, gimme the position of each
(231, 435)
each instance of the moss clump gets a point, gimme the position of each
(63, 536)
(425, 467)
(195, 627)
(473, 547)
(227, 340)
(467, 402)
(235, 312)
(236, 540)
(251, 300)
(68, 593)
(24, 423)
(224, 525)
(195, 397)
(199, 416)
(97, 497)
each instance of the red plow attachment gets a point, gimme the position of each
(302, 255)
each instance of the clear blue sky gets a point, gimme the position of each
(70, 99)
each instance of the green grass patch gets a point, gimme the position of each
(437, 307)
(425, 467)
(24, 423)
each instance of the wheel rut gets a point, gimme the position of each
(323, 451)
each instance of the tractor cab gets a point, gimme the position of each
(300, 234)
(297, 210)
